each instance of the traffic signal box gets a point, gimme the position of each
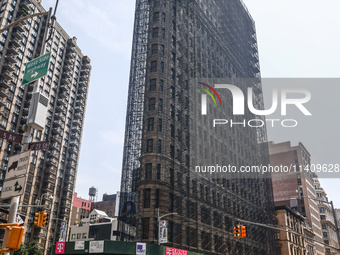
(40, 219)
(43, 218)
(13, 237)
(240, 231)
(37, 219)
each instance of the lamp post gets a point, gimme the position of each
(42, 196)
(159, 221)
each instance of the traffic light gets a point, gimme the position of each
(13, 237)
(237, 231)
(43, 218)
(243, 231)
(37, 219)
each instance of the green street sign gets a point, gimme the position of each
(36, 68)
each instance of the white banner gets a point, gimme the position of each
(96, 246)
(163, 235)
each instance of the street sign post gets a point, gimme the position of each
(36, 68)
(13, 187)
(18, 165)
(9, 136)
(39, 146)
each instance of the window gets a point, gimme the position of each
(325, 234)
(145, 226)
(324, 226)
(161, 85)
(163, 33)
(147, 194)
(159, 146)
(163, 17)
(153, 66)
(323, 217)
(149, 145)
(155, 32)
(152, 103)
(172, 151)
(150, 124)
(162, 67)
(157, 198)
(155, 16)
(160, 104)
(162, 49)
(172, 130)
(322, 210)
(158, 174)
(148, 171)
(154, 49)
(160, 125)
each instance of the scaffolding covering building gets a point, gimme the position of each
(176, 45)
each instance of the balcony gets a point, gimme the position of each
(49, 179)
(61, 102)
(3, 92)
(58, 123)
(85, 71)
(52, 162)
(84, 78)
(51, 170)
(79, 109)
(15, 42)
(80, 103)
(76, 129)
(2, 101)
(6, 76)
(17, 35)
(54, 154)
(74, 144)
(58, 130)
(75, 136)
(55, 146)
(4, 83)
(83, 84)
(67, 68)
(66, 81)
(59, 116)
(81, 96)
(77, 122)
(82, 90)
(69, 61)
(56, 139)
(11, 58)
(63, 94)
(61, 108)
(78, 116)
(8, 67)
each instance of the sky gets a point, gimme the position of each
(296, 39)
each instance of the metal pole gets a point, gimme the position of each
(159, 228)
(336, 224)
(27, 136)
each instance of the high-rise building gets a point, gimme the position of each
(176, 44)
(51, 172)
(327, 218)
(296, 185)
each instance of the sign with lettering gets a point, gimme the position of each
(39, 146)
(9, 136)
(174, 251)
(13, 188)
(36, 68)
(18, 165)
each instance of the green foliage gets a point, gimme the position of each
(29, 249)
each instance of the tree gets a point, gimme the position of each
(29, 249)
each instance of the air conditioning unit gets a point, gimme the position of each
(38, 111)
